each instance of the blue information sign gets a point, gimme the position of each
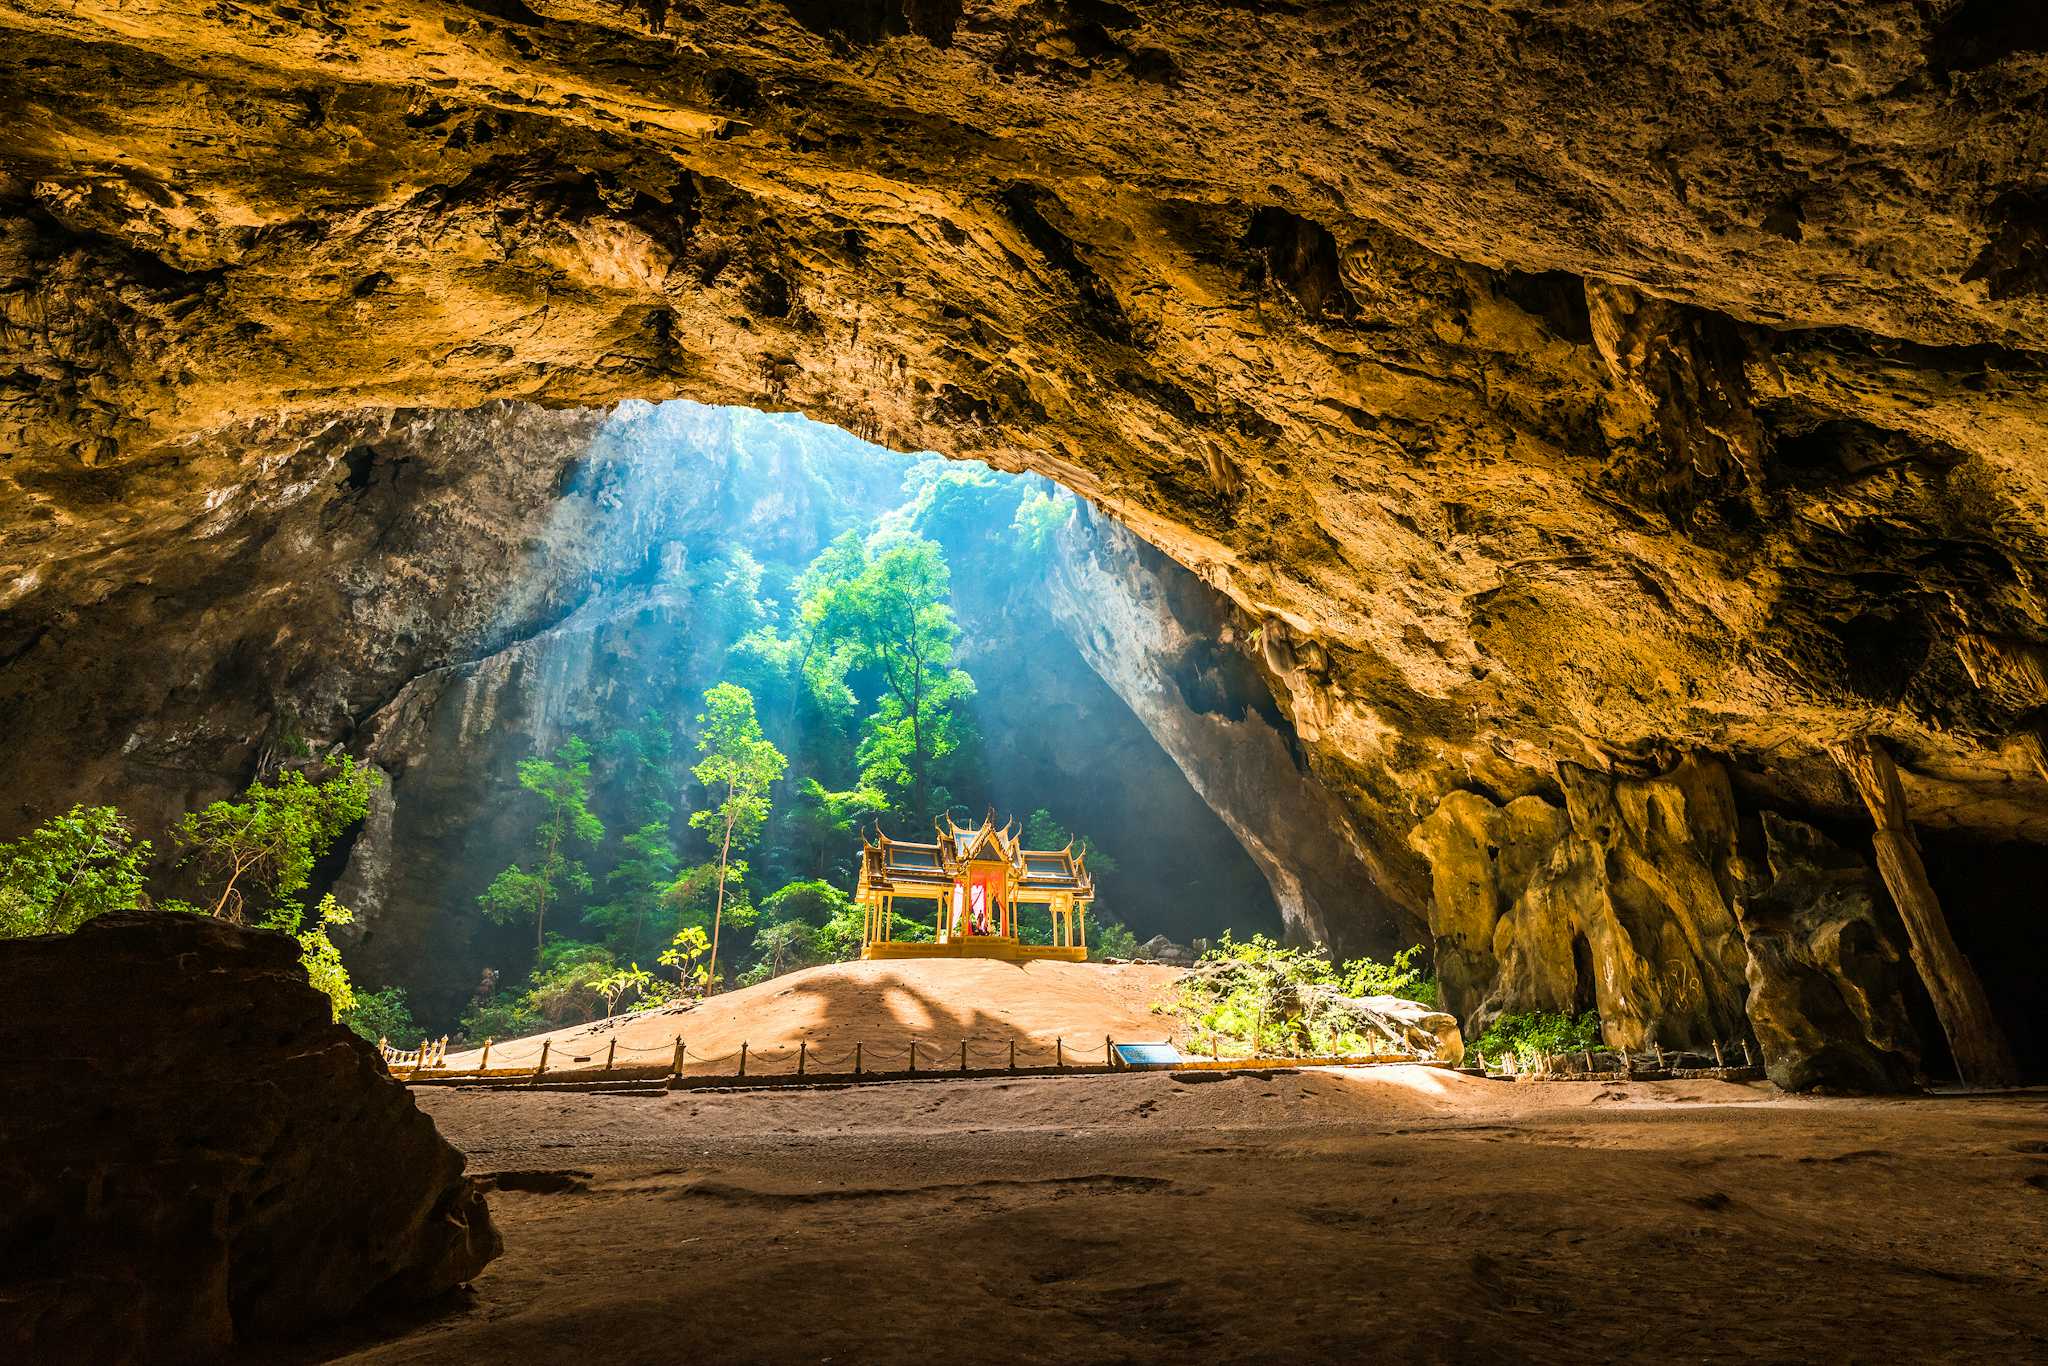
(1148, 1055)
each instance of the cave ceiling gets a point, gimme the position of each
(1576, 382)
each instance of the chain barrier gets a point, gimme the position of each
(863, 1058)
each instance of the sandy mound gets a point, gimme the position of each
(881, 1006)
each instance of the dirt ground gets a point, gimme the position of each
(1389, 1214)
(882, 1006)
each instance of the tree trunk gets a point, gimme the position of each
(1981, 1053)
(718, 906)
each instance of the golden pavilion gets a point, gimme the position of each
(978, 880)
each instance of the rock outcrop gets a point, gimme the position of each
(206, 1159)
(1825, 978)
(1620, 900)
(1558, 388)
(1637, 898)
(1165, 645)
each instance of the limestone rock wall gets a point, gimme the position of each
(214, 1163)
(1643, 898)
(1826, 973)
(1166, 647)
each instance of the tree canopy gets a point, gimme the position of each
(68, 870)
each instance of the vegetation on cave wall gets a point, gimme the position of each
(252, 858)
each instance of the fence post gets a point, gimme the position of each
(1586, 1056)
(419, 1059)
(743, 1058)
(1059, 1053)
(803, 1054)
(611, 1053)
(856, 1059)
(963, 1056)
(913, 1052)
(1013, 1055)
(1747, 1060)
(485, 1065)
(545, 1045)
(1108, 1052)
(1215, 1049)
(1659, 1049)
(1719, 1061)
(676, 1069)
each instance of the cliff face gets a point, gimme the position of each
(1552, 385)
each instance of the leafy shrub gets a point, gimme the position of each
(566, 983)
(1259, 998)
(1402, 978)
(384, 1015)
(813, 902)
(504, 1016)
(1539, 1033)
(1110, 939)
(267, 842)
(68, 870)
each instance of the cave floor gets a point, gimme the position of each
(1397, 1214)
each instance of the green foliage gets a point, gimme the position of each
(685, 954)
(1109, 939)
(1261, 999)
(812, 902)
(68, 870)
(621, 984)
(738, 768)
(1041, 831)
(631, 920)
(384, 1015)
(317, 951)
(889, 613)
(782, 945)
(1407, 977)
(269, 840)
(1538, 1034)
(563, 786)
(1040, 515)
(825, 824)
(693, 896)
(504, 1016)
(565, 983)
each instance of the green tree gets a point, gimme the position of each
(1041, 831)
(789, 940)
(814, 902)
(272, 836)
(69, 869)
(891, 611)
(638, 881)
(824, 823)
(738, 768)
(384, 1015)
(563, 785)
(565, 981)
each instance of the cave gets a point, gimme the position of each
(1519, 525)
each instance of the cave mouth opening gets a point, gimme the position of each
(904, 630)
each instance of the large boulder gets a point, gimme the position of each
(195, 1155)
